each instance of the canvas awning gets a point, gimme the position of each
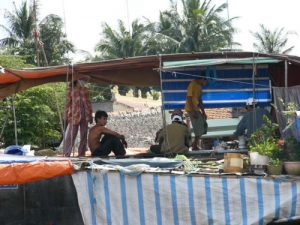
(136, 71)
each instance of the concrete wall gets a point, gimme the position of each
(110, 106)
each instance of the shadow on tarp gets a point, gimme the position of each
(51, 201)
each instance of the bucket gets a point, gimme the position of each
(233, 163)
(257, 159)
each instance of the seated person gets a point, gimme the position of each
(252, 119)
(177, 137)
(110, 140)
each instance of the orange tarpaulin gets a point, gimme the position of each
(20, 173)
(135, 71)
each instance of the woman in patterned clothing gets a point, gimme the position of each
(78, 113)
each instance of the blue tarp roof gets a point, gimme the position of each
(229, 85)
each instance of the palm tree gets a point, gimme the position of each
(21, 25)
(122, 42)
(269, 41)
(24, 38)
(55, 42)
(200, 26)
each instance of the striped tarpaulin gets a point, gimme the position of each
(229, 86)
(153, 199)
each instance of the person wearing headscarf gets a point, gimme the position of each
(78, 113)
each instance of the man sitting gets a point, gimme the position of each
(174, 138)
(252, 119)
(110, 140)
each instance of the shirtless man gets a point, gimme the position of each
(110, 140)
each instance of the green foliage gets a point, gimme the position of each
(123, 89)
(55, 43)
(181, 157)
(16, 62)
(265, 141)
(155, 95)
(123, 43)
(275, 162)
(37, 115)
(269, 41)
(20, 40)
(292, 149)
(198, 27)
(100, 92)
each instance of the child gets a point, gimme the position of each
(110, 140)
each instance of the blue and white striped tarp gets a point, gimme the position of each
(229, 86)
(153, 199)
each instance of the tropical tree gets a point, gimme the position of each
(271, 41)
(37, 116)
(21, 24)
(38, 110)
(122, 42)
(24, 37)
(56, 45)
(198, 27)
(16, 62)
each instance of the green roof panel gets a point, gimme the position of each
(210, 62)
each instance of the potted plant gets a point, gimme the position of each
(263, 145)
(292, 156)
(275, 167)
(265, 140)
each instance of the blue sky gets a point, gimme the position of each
(84, 18)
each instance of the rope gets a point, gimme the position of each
(72, 107)
(15, 119)
(66, 98)
(4, 124)
(254, 70)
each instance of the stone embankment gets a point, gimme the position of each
(138, 127)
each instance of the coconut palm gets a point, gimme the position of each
(198, 27)
(54, 39)
(21, 25)
(22, 30)
(268, 41)
(122, 42)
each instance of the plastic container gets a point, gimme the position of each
(242, 142)
(257, 159)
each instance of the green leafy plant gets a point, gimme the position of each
(292, 149)
(275, 162)
(155, 95)
(265, 140)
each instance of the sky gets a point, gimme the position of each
(83, 18)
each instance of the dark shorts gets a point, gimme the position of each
(109, 143)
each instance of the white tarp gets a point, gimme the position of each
(149, 199)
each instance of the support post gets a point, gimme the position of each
(15, 119)
(285, 82)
